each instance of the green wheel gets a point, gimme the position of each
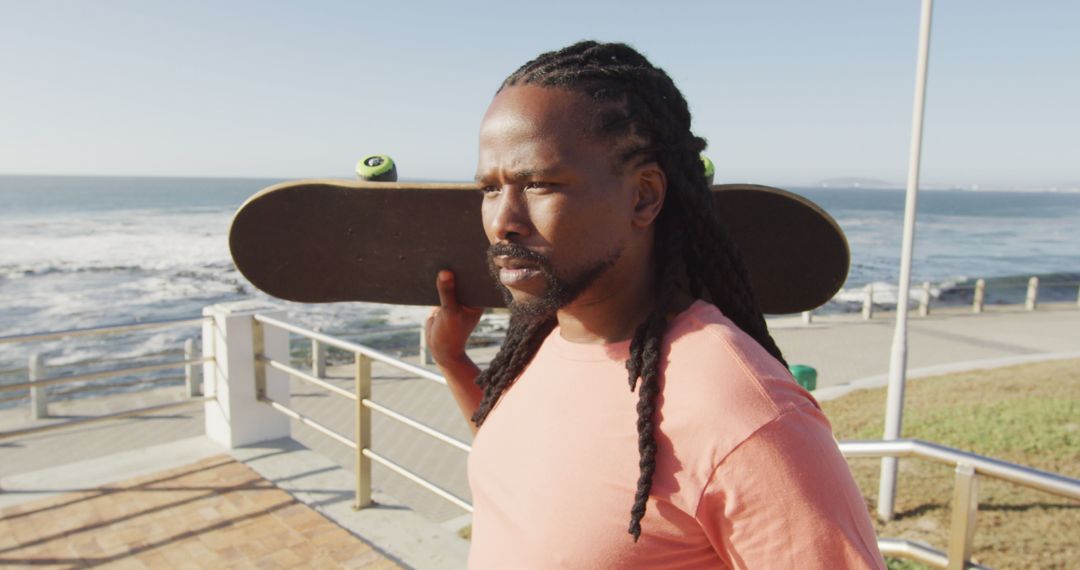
(376, 168)
(710, 169)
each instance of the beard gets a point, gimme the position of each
(560, 290)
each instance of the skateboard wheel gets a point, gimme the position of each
(710, 169)
(376, 168)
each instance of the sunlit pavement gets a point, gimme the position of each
(214, 513)
(847, 352)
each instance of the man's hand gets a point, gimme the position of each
(450, 324)
(448, 329)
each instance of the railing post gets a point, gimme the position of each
(235, 417)
(192, 372)
(980, 296)
(868, 302)
(924, 303)
(363, 432)
(39, 397)
(807, 317)
(965, 506)
(1032, 294)
(318, 359)
(425, 352)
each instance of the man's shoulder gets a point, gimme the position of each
(720, 389)
(723, 374)
(702, 335)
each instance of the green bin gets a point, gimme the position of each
(805, 375)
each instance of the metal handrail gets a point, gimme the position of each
(969, 465)
(101, 418)
(364, 356)
(301, 375)
(465, 505)
(95, 331)
(919, 552)
(114, 385)
(418, 426)
(1012, 472)
(402, 418)
(388, 412)
(326, 430)
(105, 374)
(965, 504)
(410, 475)
(354, 348)
(23, 370)
(1042, 284)
(37, 383)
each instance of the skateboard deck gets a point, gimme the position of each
(323, 241)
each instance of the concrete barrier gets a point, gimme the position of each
(236, 378)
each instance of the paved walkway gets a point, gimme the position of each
(214, 513)
(844, 349)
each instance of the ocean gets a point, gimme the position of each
(92, 251)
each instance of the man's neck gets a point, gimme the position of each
(611, 311)
(615, 317)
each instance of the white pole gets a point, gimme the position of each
(39, 397)
(1032, 294)
(894, 406)
(192, 372)
(425, 351)
(980, 296)
(318, 359)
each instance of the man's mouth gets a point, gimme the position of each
(514, 270)
(514, 266)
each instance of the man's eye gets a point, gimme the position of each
(538, 185)
(489, 189)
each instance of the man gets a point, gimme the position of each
(603, 240)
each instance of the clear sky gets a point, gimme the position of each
(787, 93)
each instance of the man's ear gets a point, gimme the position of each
(649, 196)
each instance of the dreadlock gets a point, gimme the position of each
(645, 117)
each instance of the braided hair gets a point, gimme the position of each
(645, 118)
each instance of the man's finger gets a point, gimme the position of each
(444, 283)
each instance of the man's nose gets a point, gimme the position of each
(508, 216)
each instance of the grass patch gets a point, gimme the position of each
(1028, 414)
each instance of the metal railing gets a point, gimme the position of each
(965, 504)
(968, 465)
(37, 383)
(978, 298)
(96, 331)
(364, 356)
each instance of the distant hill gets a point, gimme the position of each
(878, 184)
(863, 183)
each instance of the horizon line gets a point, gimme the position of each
(857, 183)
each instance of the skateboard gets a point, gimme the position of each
(327, 240)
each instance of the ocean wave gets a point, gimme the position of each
(22, 272)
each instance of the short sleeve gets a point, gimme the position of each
(785, 498)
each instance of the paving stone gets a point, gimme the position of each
(213, 514)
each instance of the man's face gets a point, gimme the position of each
(555, 211)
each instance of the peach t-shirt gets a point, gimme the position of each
(748, 474)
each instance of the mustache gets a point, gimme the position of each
(518, 252)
